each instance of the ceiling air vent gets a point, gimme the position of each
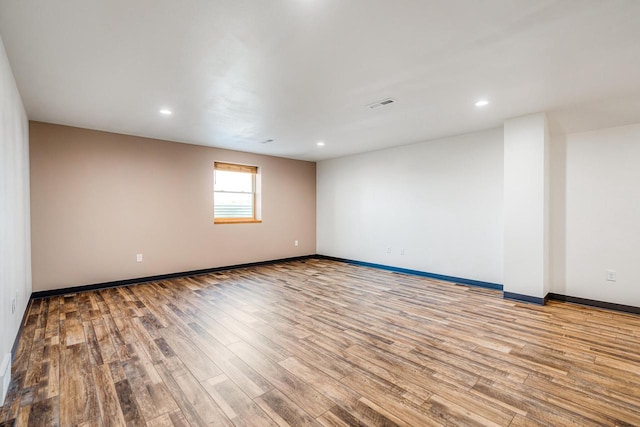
(382, 103)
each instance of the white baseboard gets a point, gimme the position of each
(5, 377)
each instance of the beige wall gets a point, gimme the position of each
(100, 198)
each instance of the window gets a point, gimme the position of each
(234, 193)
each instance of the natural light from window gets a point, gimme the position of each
(234, 193)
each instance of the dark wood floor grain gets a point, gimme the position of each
(320, 343)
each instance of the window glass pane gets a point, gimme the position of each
(233, 205)
(233, 181)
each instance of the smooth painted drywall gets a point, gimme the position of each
(558, 214)
(440, 201)
(99, 198)
(15, 249)
(603, 215)
(526, 205)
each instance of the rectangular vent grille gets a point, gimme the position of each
(381, 103)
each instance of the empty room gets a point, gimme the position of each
(320, 212)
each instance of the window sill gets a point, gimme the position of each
(236, 221)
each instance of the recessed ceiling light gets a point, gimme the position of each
(481, 103)
(166, 112)
(320, 144)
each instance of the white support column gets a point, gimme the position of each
(526, 208)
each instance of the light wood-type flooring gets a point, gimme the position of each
(319, 342)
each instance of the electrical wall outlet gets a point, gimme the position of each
(13, 306)
(612, 275)
(139, 258)
(295, 243)
(388, 249)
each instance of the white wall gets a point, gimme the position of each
(557, 233)
(526, 206)
(440, 200)
(603, 215)
(15, 247)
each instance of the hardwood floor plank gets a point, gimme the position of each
(23, 416)
(44, 413)
(11, 405)
(201, 366)
(128, 404)
(295, 389)
(123, 352)
(459, 415)
(160, 421)
(329, 419)
(52, 328)
(72, 332)
(332, 366)
(95, 355)
(51, 368)
(241, 409)
(108, 351)
(196, 404)
(349, 406)
(600, 409)
(34, 369)
(389, 397)
(318, 342)
(110, 410)
(284, 411)
(519, 397)
(78, 394)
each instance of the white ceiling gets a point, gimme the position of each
(238, 72)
